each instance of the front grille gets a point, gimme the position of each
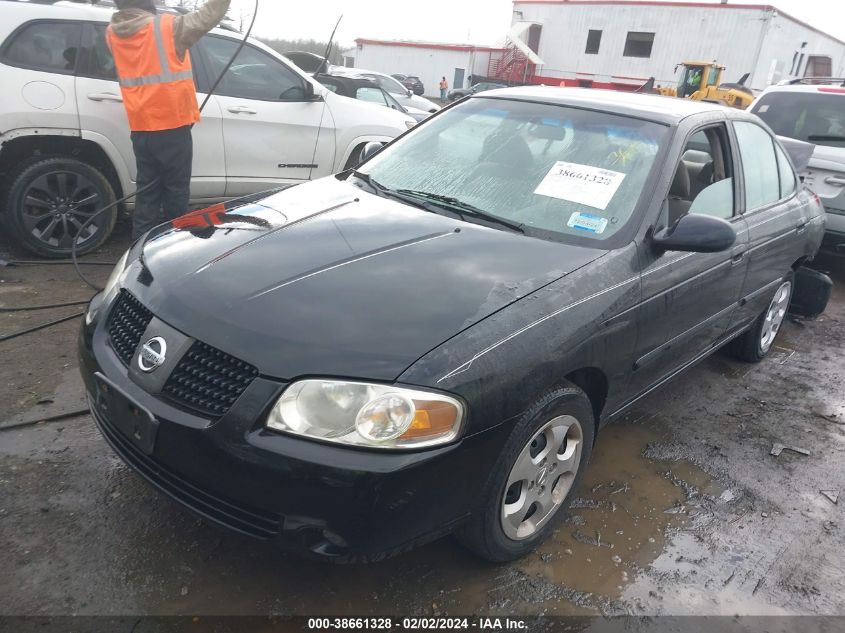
(232, 514)
(129, 319)
(208, 381)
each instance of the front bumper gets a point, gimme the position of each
(325, 500)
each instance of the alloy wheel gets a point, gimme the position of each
(541, 477)
(775, 315)
(56, 206)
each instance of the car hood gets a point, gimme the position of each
(327, 279)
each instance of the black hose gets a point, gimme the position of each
(48, 307)
(51, 262)
(38, 328)
(232, 60)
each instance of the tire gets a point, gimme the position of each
(511, 520)
(50, 199)
(756, 343)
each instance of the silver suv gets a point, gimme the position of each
(65, 150)
(813, 110)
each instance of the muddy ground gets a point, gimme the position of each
(683, 511)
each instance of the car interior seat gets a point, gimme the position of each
(679, 194)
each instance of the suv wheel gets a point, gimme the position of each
(51, 199)
(532, 483)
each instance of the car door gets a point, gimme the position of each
(775, 214)
(39, 59)
(270, 127)
(103, 118)
(689, 298)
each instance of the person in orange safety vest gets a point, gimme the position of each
(156, 80)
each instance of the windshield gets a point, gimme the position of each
(560, 172)
(813, 117)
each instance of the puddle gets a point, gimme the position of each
(627, 507)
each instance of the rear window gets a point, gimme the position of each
(48, 46)
(813, 117)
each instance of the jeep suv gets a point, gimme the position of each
(813, 110)
(65, 150)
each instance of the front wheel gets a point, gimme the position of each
(540, 465)
(51, 201)
(756, 343)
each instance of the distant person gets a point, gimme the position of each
(444, 87)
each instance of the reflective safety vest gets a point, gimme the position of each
(158, 88)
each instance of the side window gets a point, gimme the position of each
(391, 85)
(759, 165)
(703, 181)
(47, 46)
(373, 95)
(253, 75)
(788, 182)
(100, 60)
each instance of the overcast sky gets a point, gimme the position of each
(459, 21)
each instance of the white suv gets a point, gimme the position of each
(65, 150)
(813, 110)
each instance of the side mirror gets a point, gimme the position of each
(310, 94)
(410, 92)
(370, 149)
(696, 234)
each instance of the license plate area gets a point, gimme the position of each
(131, 420)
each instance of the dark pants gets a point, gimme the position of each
(165, 159)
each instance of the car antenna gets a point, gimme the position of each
(324, 67)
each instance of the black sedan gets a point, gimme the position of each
(432, 342)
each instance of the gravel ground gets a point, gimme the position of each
(683, 510)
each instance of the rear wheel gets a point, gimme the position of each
(540, 466)
(51, 199)
(756, 343)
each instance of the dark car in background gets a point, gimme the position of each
(411, 82)
(432, 342)
(482, 86)
(309, 62)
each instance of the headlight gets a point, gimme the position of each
(409, 123)
(362, 414)
(111, 284)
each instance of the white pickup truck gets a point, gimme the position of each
(65, 150)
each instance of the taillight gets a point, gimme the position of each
(834, 90)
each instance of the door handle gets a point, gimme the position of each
(105, 96)
(801, 227)
(738, 255)
(242, 110)
(836, 181)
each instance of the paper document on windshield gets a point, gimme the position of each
(584, 184)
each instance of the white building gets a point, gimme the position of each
(620, 44)
(427, 60)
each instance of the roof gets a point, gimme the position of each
(667, 110)
(468, 48)
(692, 4)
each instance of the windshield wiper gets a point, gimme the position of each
(462, 208)
(375, 185)
(826, 137)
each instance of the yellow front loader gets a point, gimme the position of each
(702, 81)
